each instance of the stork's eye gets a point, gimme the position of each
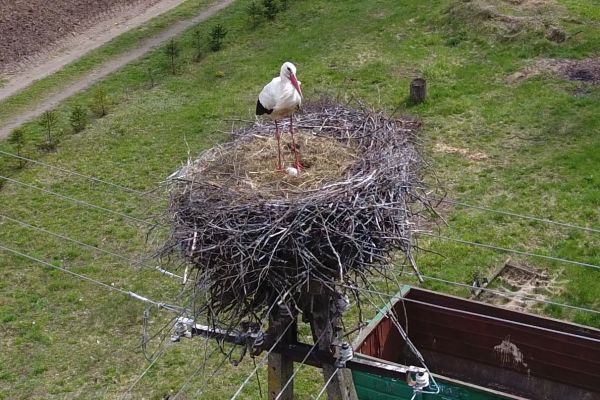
(289, 69)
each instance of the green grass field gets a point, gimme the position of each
(66, 338)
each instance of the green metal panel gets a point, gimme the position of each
(373, 387)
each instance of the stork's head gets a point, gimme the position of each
(288, 71)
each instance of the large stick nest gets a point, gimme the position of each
(255, 235)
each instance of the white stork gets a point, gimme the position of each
(281, 98)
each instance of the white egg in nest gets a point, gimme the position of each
(292, 171)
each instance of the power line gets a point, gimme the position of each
(37, 228)
(80, 202)
(404, 334)
(92, 178)
(163, 350)
(96, 282)
(327, 383)
(168, 273)
(513, 214)
(201, 368)
(507, 250)
(506, 294)
(475, 314)
(261, 362)
(119, 256)
(301, 364)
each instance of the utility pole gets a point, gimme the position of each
(281, 365)
(294, 351)
(323, 309)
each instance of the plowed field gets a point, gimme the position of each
(30, 27)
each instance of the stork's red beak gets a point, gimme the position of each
(295, 83)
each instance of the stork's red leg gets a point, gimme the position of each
(296, 151)
(279, 160)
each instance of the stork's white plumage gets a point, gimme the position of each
(281, 98)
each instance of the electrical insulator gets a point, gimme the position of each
(183, 327)
(178, 331)
(284, 310)
(422, 380)
(346, 354)
(258, 339)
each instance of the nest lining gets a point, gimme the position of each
(249, 165)
(254, 240)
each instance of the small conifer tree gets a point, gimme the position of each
(270, 9)
(172, 52)
(198, 45)
(48, 123)
(100, 103)
(217, 34)
(78, 118)
(17, 139)
(254, 14)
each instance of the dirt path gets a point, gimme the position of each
(16, 84)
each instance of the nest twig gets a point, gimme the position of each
(255, 244)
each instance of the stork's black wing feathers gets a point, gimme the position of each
(260, 109)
